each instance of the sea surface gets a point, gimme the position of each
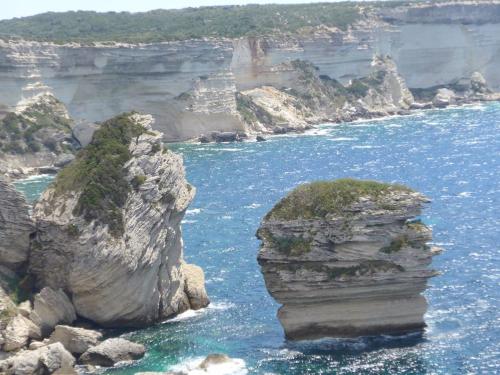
(453, 156)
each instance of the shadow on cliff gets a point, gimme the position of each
(356, 345)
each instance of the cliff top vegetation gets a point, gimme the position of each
(169, 25)
(320, 198)
(98, 173)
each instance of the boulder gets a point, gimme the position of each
(50, 359)
(443, 98)
(18, 332)
(24, 308)
(346, 258)
(225, 136)
(195, 286)
(111, 351)
(75, 340)
(52, 308)
(260, 138)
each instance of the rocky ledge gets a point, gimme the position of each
(347, 258)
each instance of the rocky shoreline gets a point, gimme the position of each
(108, 226)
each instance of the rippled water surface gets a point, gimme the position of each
(450, 155)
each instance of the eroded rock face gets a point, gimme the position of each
(15, 227)
(345, 259)
(121, 258)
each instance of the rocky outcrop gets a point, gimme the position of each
(347, 258)
(36, 134)
(111, 351)
(312, 98)
(110, 225)
(50, 359)
(15, 227)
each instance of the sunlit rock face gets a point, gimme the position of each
(346, 258)
(114, 243)
(190, 86)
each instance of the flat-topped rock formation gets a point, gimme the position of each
(347, 258)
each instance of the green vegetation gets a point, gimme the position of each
(318, 199)
(98, 173)
(368, 267)
(19, 289)
(396, 244)
(166, 25)
(294, 246)
(138, 181)
(19, 132)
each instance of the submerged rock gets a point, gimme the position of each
(111, 351)
(110, 226)
(345, 259)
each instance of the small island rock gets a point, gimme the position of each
(346, 258)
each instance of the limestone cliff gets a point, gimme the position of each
(108, 229)
(38, 133)
(16, 227)
(311, 98)
(347, 258)
(190, 86)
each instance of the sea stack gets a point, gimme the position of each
(347, 258)
(109, 229)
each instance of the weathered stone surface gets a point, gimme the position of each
(49, 359)
(141, 263)
(195, 286)
(112, 351)
(50, 308)
(15, 226)
(190, 85)
(345, 260)
(75, 340)
(17, 333)
(39, 133)
(444, 97)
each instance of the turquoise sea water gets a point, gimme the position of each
(451, 155)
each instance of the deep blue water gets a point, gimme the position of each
(450, 155)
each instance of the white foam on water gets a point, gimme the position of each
(339, 139)
(35, 177)
(253, 205)
(189, 221)
(193, 211)
(191, 366)
(465, 194)
(189, 314)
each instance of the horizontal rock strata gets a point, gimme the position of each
(347, 258)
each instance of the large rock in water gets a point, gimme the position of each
(345, 259)
(108, 229)
(111, 351)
